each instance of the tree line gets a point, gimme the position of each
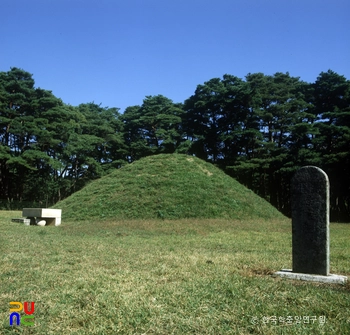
(259, 130)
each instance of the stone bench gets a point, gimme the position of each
(43, 216)
(22, 220)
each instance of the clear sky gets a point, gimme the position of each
(116, 52)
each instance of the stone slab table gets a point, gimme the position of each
(51, 216)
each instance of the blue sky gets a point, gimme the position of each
(116, 52)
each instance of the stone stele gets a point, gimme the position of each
(310, 227)
(310, 221)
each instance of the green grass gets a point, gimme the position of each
(168, 187)
(189, 276)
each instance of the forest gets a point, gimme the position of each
(259, 130)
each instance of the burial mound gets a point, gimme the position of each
(167, 186)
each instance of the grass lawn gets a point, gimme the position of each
(185, 276)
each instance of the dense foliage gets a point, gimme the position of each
(259, 130)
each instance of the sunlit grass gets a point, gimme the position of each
(165, 277)
(167, 187)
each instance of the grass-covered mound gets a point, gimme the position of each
(166, 186)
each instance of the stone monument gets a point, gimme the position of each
(310, 221)
(310, 227)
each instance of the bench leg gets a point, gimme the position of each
(32, 221)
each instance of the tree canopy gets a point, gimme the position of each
(259, 130)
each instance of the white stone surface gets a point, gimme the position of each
(41, 222)
(57, 221)
(331, 278)
(42, 212)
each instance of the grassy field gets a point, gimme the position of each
(185, 276)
